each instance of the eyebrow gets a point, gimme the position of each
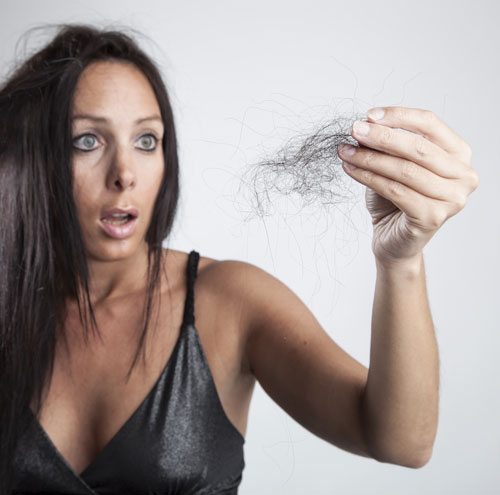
(105, 120)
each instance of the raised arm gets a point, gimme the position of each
(389, 411)
(415, 181)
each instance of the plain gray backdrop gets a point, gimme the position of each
(243, 77)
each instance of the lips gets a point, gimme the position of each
(118, 230)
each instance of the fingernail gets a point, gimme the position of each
(376, 113)
(347, 150)
(349, 166)
(361, 128)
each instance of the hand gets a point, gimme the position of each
(415, 180)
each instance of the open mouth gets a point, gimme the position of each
(118, 219)
(119, 225)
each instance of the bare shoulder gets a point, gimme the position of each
(257, 293)
(218, 282)
(225, 284)
(224, 298)
(229, 275)
(244, 287)
(259, 297)
(239, 274)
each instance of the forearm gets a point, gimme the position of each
(400, 407)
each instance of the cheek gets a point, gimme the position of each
(154, 180)
(83, 191)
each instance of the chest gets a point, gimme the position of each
(90, 403)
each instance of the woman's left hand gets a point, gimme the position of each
(415, 180)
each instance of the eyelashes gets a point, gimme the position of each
(153, 139)
(85, 141)
(78, 140)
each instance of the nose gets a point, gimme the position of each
(121, 173)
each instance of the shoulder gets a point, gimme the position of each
(232, 274)
(243, 295)
(225, 289)
(238, 289)
(260, 305)
(242, 283)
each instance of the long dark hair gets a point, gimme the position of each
(42, 258)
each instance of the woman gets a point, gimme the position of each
(89, 188)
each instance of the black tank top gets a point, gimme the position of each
(178, 441)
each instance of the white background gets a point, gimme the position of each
(245, 75)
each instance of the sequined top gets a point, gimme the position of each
(178, 441)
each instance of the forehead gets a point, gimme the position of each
(110, 86)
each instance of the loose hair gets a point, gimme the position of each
(42, 255)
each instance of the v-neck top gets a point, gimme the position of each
(178, 441)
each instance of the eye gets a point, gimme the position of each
(148, 142)
(85, 142)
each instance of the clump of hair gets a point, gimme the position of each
(307, 167)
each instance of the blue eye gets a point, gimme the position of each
(149, 142)
(86, 141)
(89, 142)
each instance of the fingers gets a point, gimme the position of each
(409, 146)
(413, 159)
(423, 122)
(405, 198)
(401, 170)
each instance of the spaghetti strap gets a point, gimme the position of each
(192, 269)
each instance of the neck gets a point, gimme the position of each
(115, 278)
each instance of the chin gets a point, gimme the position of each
(113, 249)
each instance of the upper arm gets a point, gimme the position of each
(297, 363)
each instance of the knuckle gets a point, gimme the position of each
(396, 188)
(460, 201)
(436, 219)
(429, 117)
(386, 136)
(370, 158)
(409, 170)
(472, 179)
(366, 177)
(422, 147)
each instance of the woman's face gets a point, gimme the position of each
(117, 157)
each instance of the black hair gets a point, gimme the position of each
(42, 255)
(307, 167)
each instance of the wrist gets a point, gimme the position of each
(403, 266)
